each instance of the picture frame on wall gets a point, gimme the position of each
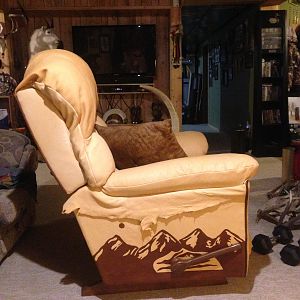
(230, 74)
(210, 77)
(216, 72)
(223, 55)
(212, 57)
(239, 38)
(217, 54)
(249, 57)
(225, 77)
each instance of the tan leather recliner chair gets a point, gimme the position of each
(173, 223)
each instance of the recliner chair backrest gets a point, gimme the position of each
(63, 103)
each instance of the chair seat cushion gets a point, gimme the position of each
(208, 171)
(137, 145)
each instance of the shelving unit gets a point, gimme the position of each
(123, 99)
(270, 112)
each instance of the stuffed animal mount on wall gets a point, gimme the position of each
(44, 38)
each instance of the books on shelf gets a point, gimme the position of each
(271, 38)
(270, 92)
(271, 117)
(270, 68)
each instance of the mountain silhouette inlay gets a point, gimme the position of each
(156, 255)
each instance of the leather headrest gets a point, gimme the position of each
(54, 69)
(67, 82)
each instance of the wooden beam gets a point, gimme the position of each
(230, 2)
(176, 72)
(94, 11)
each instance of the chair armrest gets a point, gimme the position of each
(29, 160)
(201, 172)
(193, 143)
(99, 121)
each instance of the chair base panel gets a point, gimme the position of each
(205, 279)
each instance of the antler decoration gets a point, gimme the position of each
(17, 18)
(49, 24)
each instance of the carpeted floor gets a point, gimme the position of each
(51, 261)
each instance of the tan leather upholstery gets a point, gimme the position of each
(63, 119)
(177, 198)
(207, 171)
(192, 142)
(49, 72)
(53, 139)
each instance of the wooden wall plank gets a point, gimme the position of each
(30, 27)
(76, 21)
(147, 2)
(65, 32)
(176, 72)
(108, 3)
(93, 3)
(165, 2)
(69, 3)
(36, 3)
(134, 2)
(121, 3)
(81, 3)
(162, 54)
(54, 3)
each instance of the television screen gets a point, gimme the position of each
(117, 53)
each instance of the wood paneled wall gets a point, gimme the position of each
(66, 13)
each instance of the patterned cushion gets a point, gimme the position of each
(12, 146)
(17, 211)
(9, 177)
(18, 162)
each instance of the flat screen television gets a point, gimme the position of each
(117, 54)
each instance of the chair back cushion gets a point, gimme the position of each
(68, 90)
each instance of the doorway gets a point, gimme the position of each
(218, 68)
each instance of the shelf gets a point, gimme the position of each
(123, 93)
(270, 104)
(275, 80)
(269, 52)
(270, 125)
(120, 89)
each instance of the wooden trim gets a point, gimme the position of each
(230, 2)
(94, 11)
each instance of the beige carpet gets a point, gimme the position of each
(51, 261)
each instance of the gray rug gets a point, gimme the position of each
(52, 261)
